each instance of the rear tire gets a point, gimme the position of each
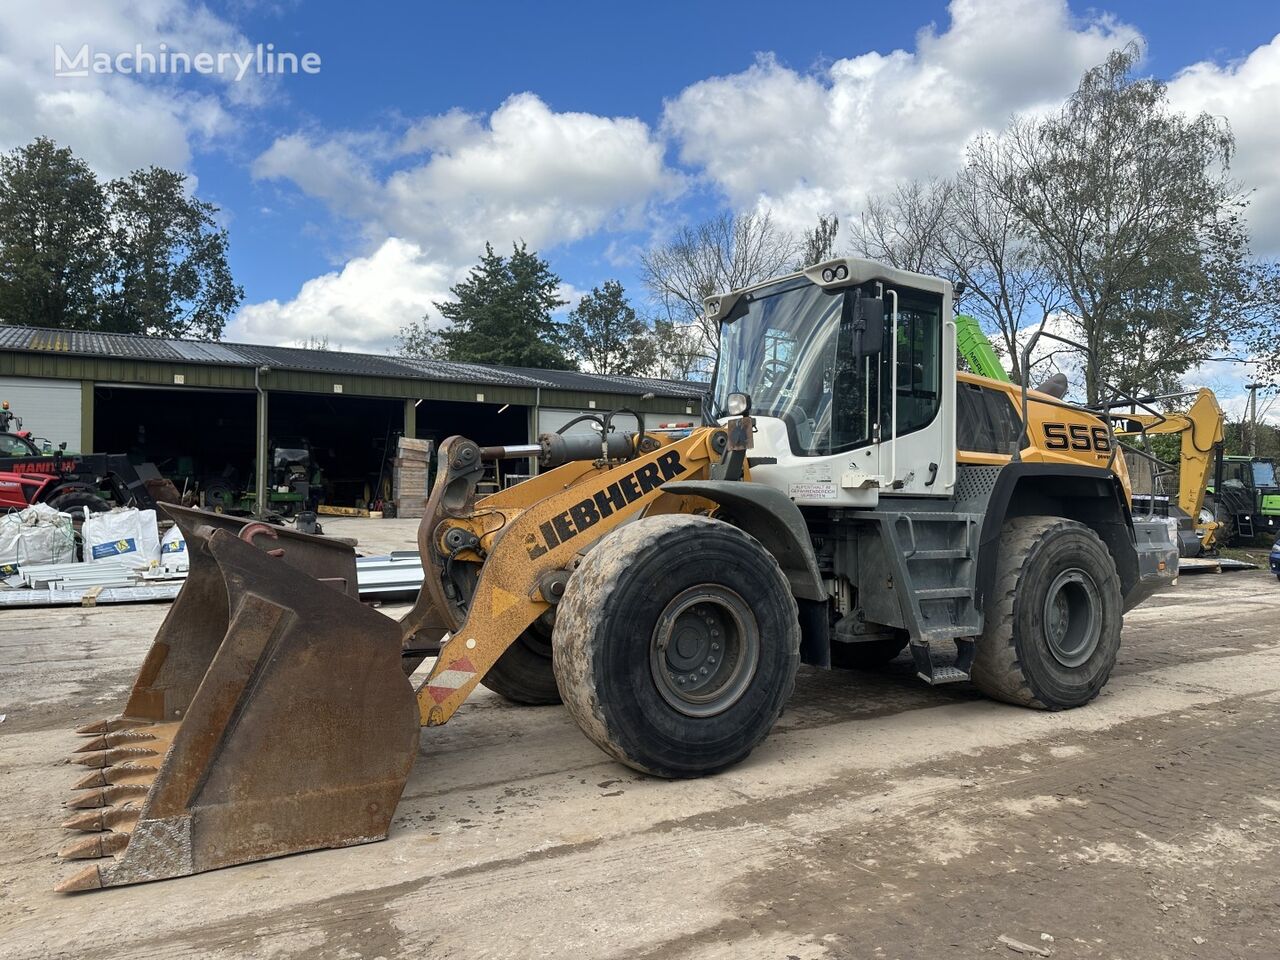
(676, 645)
(866, 654)
(1053, 618)
(524, 673)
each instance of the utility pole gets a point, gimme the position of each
(1253, 418)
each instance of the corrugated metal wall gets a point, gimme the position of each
(551, 420)
(48, 408)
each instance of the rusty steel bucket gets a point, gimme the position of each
(271, 716)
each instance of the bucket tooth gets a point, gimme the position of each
(87, 879)
(121, 738)
(106, 758)
(109, 725)
(107, 796)
(120, 819)
(119, 773)
(100, 845)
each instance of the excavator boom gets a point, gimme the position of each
(1200, 432)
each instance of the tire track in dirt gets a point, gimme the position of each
(1149, 820)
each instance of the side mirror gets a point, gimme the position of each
(868, 326)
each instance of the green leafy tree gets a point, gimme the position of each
(1133, 211)
(170, 276)
(416, 339)
(502, 313)
(606, 335)
(53, 226)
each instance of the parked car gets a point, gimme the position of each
(1275, 558)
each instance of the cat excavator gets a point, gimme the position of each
(848, 497)
(1199, 429)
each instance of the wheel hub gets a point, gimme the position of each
(705, 650)
(1072, 617)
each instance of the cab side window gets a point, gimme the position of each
(13, 447)
(985, 420)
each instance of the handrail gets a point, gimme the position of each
(1025, 368)
(893, 394)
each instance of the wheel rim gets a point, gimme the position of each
(704, 650)
(1072, 617)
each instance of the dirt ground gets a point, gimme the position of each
(881, 819)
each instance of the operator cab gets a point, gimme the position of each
(847, 365)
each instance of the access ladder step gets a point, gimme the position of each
(954, 672)
(948, 553)
(947, 675)
(942, 593)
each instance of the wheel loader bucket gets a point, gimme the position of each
(271, 716)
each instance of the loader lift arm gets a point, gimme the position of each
(524, 547)
(225, 751)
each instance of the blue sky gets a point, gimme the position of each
(357, 195)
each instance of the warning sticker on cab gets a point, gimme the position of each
(813, 491)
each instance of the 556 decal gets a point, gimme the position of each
(1076, 436)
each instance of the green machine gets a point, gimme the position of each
(976, 349)
(1247, 496)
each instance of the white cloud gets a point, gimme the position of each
(115, 122)
(361, 306)
(1247, 93)
(1228, 379)
(525, 172)
(802, 144)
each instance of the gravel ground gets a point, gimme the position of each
(881, 819)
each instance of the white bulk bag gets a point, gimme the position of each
(124, 532)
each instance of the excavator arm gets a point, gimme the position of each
(1200, 429)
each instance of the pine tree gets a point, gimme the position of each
(501, 313)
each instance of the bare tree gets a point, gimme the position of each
(904, 227)
(1008, 286)
(724, 253)
(677, 353)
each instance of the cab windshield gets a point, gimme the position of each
(793, 347)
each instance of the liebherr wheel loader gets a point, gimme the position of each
(850, 495)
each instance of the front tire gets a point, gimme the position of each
(677, 644)
(524, 673)
(1053, 619)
